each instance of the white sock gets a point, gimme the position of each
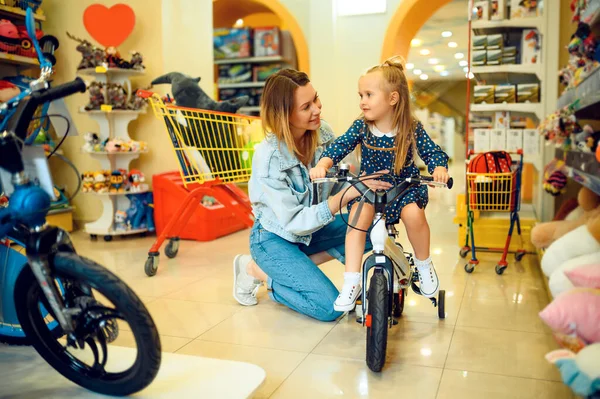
(423, 263)
(351, 278)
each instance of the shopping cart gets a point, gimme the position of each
(214, 151)
(494, 192)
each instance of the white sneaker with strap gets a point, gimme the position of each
(351, 289)
(245, 287)
(428, 279)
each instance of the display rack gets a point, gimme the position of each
(112, 124)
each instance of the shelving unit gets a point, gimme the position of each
(112, 124)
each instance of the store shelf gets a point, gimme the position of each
(111, 72)
(113, 112)
(513, 73)
(60, 210)
(524, 108)
(581, 167)
(115, 194)
(18, 13)
(509, 23)
(240, 85)
(251, 60)
(19, 60)
(588, 94)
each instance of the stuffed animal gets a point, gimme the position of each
(188, 94)
(87, 182)
(117, 97)
(91, 140)
(559, 281)
(100, 182)
(116, 182)
(121, 221)
(136, 178)
(141, 211)
(581, 371)
(544, 234)
(96, 92)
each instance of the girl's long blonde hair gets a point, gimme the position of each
(277, 104)
(404, 123)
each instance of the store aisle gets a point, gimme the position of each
(492, 343)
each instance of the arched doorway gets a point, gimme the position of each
(263, 12)
(406, 22)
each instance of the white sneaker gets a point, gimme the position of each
(428, 281)
(245, 287)
(346, 301)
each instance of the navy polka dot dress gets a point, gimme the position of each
(374, 160)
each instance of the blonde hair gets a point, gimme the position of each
(277, 104)
(404, 123)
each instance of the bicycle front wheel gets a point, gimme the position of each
(103, 306)
(377, 321)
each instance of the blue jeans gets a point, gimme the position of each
(294, 280)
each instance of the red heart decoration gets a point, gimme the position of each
(109, 26)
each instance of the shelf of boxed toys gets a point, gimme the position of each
(524, 108)
(240, 85)
(251, 60)
(513, 73)
(516, 23)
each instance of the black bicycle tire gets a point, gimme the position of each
(378, 304)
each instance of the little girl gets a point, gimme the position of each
(388, 134)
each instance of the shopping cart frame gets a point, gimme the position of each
(513, 206)
(212, 155)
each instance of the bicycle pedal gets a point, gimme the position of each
(434, 302)
(359, 319)
(395, 322)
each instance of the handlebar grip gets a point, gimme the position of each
(315, 198)
(450, 183)
(64, 90)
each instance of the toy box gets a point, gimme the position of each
(235, 73)
(528, 93)
(478, 57)
(481, 11)
(232, 43)
(495, 42)
(479, 42)
(523, 9)
(505, 94)
(262, 72)
(494, 57)
(497, 139)
(531, 141)
(514, 140)
(531, 47)
(266, 41)
(481, 140)
(508, 60)
(498, 10)
(502, 120)
(484, 94)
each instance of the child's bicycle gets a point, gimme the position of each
(68, 307)
(379, 307)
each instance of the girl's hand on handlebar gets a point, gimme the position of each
(440, 174)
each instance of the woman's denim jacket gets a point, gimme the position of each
(281, 192)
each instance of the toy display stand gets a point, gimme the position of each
(112, 124)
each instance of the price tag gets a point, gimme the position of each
(101, 69)
(106, 108)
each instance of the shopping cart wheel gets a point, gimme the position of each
(464, 251)
(172, 248)
(108, 238)
(399, 303)
(441, 305)
(469, 268)
(151, 266)
(500, 269)
(519, 255)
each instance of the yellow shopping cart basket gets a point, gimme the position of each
(214, 150)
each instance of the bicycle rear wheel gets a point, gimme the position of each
(89, 288)
(377, 321)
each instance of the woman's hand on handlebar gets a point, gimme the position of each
(374, 184)
(440, 174)
(318, 172)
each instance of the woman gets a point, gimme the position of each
(290, 237)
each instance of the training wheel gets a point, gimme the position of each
(442, 304)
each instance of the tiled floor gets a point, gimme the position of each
(491, 345)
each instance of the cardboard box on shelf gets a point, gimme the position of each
(267, 41)
(523, 9)
(235, 73)
(498, 10)
(481, 11)
(531, 141)
(262, 72)
(479, 42)
(494, 57)
(502, 120)
(531, 47)
(509, 60)
(484, 94)
(495, 42)
(505, 94)
(497, 139)
(510, 51)
(478, 57)
(232, 43)
(481, 140)
(514, 140)
(528, 93)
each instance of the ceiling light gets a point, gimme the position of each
(239, 23)
(416, 42)
(463, 63)
(446, 33)
(439, 68)
(424, 77)
(417, 71)
(459, 56)
(444, 73)
(410, 66)
(425, 52)
(452, 44)
(433, 61)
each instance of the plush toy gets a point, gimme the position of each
(96, 92)
(188, 94)
(116, 182)
(555, 180)
(121, 221)
(583, 240)
(100, 182)
(559, 281)
(136, 178)
(87, 182)
(587, 276)
(117, 97)
(141, 211)
(91, 140)
(581, 371)
(544, 234)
